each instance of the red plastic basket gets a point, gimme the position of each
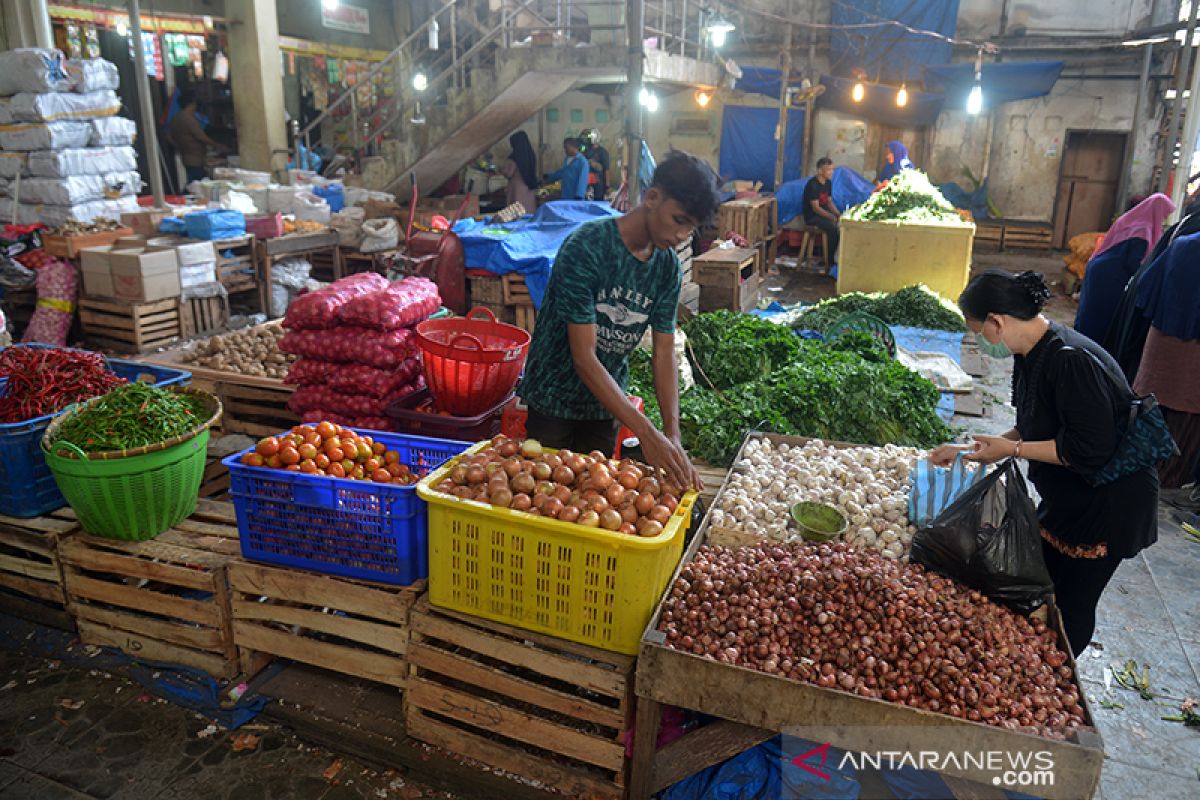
(471, 364)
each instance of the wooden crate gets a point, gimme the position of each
(69, 246)
(130, 327)
(31, 584)
(162, 600)
(202, 316)
(255, 411)
(214, 484)
(1027, 236)
(752, 218)
(237, 264)
(319, 247)
(989, 234)
(532, 705)
(728, 278)
(351, 627)
(525, 316)
(515, 291)
(327, 265)
(353, 262)
(486, 290)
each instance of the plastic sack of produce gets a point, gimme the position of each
(237, 175)
(319, 309)
(80, 161)
(383, 349)
(15, 276)
(373, 423)
(79, 189)
(44, 135)
(373, 382)
(357, 196)
(109, 132)
(13, 164)
(348, 223)
(333, 193)
(52, 215)
(57, 287)
(932, 488)
(307, 398)
(989, 539)
(33, 69)
(379, 235)
(288, 277)
(215, 223)
(281, 199)
(400, 305)
(308, 206)
(309, 372)
(5, 113)
(56, 106)
(92, 75)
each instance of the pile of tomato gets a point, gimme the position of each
(330, 450)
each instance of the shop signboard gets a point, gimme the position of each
(343, 17)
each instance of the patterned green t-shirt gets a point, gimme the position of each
(596, 281)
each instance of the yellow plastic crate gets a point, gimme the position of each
(886, 257)
(587, 585)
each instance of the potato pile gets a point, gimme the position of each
(251, 351)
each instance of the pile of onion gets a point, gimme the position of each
(853, 620)
(592, 490)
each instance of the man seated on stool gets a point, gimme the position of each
(819, 209)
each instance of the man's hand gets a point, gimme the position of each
(944, 456)
(667, 455)
(990, 449)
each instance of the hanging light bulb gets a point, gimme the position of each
(703, 98)
(330, 5)
(648, 99)
(718, 29)
(902, 96)
(419, 81)
(975, 98)
(122, 28)
(858, 92)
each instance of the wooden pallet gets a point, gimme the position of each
(237, 264)
(166, 599)
(532, 705)
(214, 485)
(130, 327)
(31, 584)
(351, 627)
(327, 265)
(202, 316)
(752, 218)
(69, 246)
(1027, 236)
(256, 411)
(990, 234)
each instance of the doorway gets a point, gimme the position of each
(1087, 184)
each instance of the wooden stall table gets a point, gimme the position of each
(293, 244)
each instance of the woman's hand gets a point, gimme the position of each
(990, 449)
(944, 456)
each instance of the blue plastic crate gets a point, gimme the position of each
(27, 488)
(355, 529)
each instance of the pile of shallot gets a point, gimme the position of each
(592, 490)
(853, 620)
(868, 485)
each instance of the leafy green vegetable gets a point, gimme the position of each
(728, 348)
(641, 383)
(915, 306)
(909, 197)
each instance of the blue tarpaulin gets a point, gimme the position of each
(888, 52)
(879, 103)
(975, 202)
(849, 189)
(530, 244)
(748, 144)
(1002, 83)
(762, 80)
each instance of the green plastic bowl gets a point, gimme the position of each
(818, 522)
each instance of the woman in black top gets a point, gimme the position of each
(1071, 400)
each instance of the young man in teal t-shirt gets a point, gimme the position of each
(612, 279)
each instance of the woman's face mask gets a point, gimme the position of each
(997, 349)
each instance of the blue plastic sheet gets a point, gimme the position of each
(849, 189)
(762, 80)
(334, 194)
(975, 202)
(215, 223)
(888, 50)
(879, 103)
(1002, 83)
(923, 340)
(766, 771)
(530, 244)
(748, 144)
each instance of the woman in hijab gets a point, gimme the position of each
(897, 159)
(521, 171)
(1116, 260)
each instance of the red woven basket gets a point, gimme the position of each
(471, 363)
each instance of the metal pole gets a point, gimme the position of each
(785, 76)
(635, 24)
(1187, 147)
(683, 28)
(1123, 190)
(146, 108)
(1185, 63)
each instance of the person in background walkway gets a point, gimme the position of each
(598, 161)
(574, 172)
(1072, 402)
(1168, 298)
(819, 208)
(897, 159)
(521, 171)
(188, 136)
(1116, 260)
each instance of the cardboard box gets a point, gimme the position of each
(96, 271)
(135, 242)
(146, 222)
(189, 253)
(145, 275)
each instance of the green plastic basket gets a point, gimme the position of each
(137, 494)
(862, 322)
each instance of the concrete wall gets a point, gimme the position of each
(978, 18)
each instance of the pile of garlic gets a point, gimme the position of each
(868, 485)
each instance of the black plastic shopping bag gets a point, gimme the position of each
(989, 539)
